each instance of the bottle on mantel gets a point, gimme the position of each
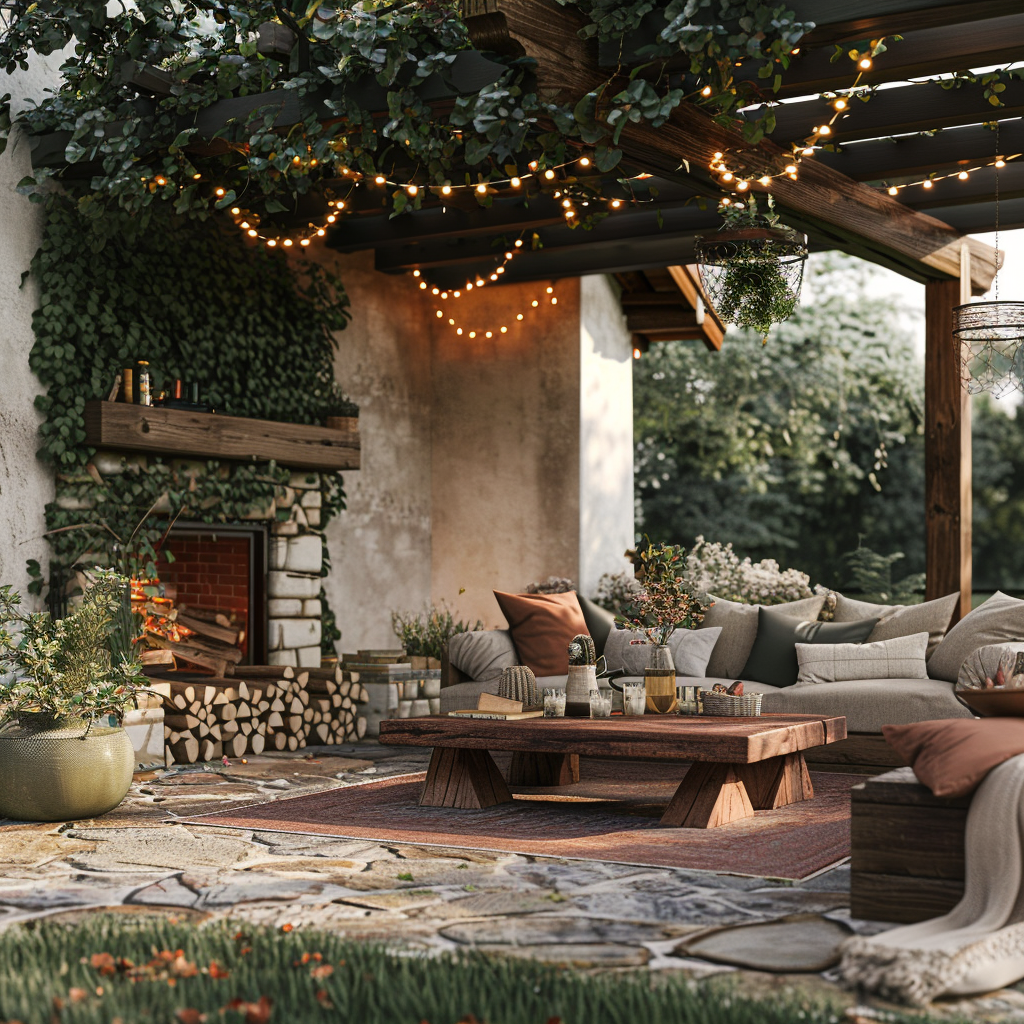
(144, 383)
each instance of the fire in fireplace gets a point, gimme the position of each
(208, 608)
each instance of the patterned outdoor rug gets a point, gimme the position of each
(611, 815)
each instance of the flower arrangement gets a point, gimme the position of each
(80, 667)
(668, 598)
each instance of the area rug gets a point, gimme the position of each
(611, 815)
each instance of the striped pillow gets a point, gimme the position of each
(903, 657)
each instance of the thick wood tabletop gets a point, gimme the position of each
(669, 737)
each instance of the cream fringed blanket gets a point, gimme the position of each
(979, 945)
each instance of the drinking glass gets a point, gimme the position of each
(634, 698)
(600, 706)
(688, 700)
(554, 703)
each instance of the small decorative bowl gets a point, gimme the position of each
(1002, 702)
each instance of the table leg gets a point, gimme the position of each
(709, 795)
(776, 781)
(458, 777)
(534, 768)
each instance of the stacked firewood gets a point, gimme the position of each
(262, 707)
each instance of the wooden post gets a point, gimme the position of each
(947, 453)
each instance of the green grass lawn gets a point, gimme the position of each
(115, 970)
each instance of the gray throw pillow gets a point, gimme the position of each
(895, 620)
(483, 654)
(899, 658)
(739, 628)
(691, 649)
(600, 622)
(773, 657)
(999, 620)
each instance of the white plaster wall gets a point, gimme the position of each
(26, 485)
(505, 456)
(606, 433)
(381, 546)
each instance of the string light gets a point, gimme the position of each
(474, 332)
(961, 174)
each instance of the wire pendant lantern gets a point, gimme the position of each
(989, 335)
(753, 276)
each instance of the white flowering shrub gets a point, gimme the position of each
(717, 569)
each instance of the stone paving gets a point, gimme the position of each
(591, 915)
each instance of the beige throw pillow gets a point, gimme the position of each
(999, 620)
(739, 630)
(896, 620)
(900, 658)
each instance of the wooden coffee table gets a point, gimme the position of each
(739, 765)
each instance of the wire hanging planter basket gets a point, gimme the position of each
(752, 275)
(990, 341)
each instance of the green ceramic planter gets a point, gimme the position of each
(63, 774)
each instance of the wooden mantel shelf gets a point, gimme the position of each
(177, 432)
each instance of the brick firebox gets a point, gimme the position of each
(223, 569)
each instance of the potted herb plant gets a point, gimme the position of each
(667, 600)
(64, 687)
(752, 269)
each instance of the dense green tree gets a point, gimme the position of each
(795, 450)
(803, 449)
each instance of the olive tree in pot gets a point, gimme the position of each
(64, 687)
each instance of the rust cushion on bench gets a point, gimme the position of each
(952, 757)
(542, 626)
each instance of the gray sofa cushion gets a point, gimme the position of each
(773, 656)
(739, 628)
(691, 649)
(483, 654)
(899, 658)
(895, 620)
(999, 620)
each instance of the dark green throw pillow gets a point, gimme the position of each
(773, 657)
(600, 622)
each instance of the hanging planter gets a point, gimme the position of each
(752, 269)
(990, 343)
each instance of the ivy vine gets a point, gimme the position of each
(199, 304)
(135, 140)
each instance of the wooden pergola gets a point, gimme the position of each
(838, 198)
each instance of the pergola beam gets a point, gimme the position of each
(568, 67)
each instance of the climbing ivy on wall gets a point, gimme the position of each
(253, 328)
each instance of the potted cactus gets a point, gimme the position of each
(582, 676)
(64, 687)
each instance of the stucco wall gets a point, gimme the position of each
(380, 547)
(506, 446)
(26, 485)
(606, 433)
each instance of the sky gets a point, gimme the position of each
(911, 294)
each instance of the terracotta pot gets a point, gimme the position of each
(64, 772)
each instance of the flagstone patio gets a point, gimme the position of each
(587, 914)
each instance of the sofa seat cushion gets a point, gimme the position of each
(868, 704)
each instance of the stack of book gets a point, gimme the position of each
(490, 706)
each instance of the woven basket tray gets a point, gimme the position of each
(722, 704)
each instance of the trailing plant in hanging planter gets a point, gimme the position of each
(752, 269)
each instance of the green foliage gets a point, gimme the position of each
(796, 451)
(424, 634)
(144, 151)
(224, 970)
(668, 598)
(869, 576)
(198, 304)
(78, 667)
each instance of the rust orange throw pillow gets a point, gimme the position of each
(952, 757)
(542, 626)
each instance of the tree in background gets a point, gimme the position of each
(812, 447)
(799, 450)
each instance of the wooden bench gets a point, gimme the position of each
(907, 849)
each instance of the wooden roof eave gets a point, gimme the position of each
(916, 244)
